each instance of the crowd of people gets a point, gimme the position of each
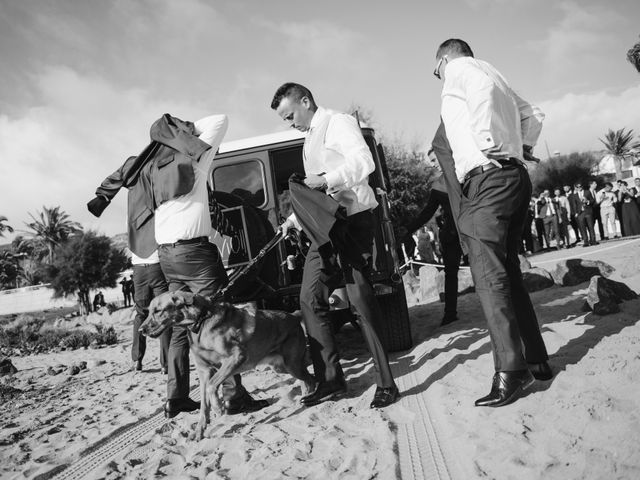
(582, 213)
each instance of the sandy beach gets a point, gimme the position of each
(582, 424)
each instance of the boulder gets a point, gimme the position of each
(604, 295)
(95, 362)
(537, 278)
(6, 367)
(576, 271)
(525, 264)
(55, 370)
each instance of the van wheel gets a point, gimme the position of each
(395, 331)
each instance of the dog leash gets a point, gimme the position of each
(237, 275)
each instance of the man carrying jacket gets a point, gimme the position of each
(189, 261)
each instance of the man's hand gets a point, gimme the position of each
(317, 182)
(496, 153)
(527, 154)
(283, 229)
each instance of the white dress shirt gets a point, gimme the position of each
(153, 258)
(343, 157)
(187, 216)
(481, 111)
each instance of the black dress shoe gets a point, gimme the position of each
(385, 397)
(244, 404)
(506, 388)
(325, 391)
(176, 405)
(541, 371)
(594, 243)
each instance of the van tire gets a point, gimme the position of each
(395, 331)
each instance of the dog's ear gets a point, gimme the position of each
(181, 298)
(201, 302)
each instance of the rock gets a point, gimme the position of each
(73, 370)
(525, 264)
(537, 278)
(604, 295)
(95, 362)
(428, 284)
(465, 282)
(55, 370)
(6, 367)
(82, 365)
(576, 270)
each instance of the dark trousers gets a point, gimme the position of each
(492, 215)
(576, 227)
(195, 268)
(551, 230)
(585, 222)
(149, 282)
(597, 218)
(451, 256)
(564, 230)
(540, 232)
(314, 302)
(127, 299)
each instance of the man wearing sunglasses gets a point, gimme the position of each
(489, 132)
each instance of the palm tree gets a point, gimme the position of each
(4, 227)
(620, 145)
(53, 226)
(633, 55)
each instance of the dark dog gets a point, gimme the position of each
(230, 340)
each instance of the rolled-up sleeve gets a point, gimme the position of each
(212, 129)
(345, 137)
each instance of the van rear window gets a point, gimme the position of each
(245, 180)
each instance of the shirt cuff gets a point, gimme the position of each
(485, 140)
(334, 179)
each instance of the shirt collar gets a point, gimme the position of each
(320, 114)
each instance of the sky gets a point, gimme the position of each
(82, 80)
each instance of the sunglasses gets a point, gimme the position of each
(436, 72)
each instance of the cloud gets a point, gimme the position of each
(582, 33)
(575, 122)
(57, 153)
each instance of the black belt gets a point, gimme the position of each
(511, 162)
(188, 241)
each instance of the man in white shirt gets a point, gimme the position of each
(190, 262)
(336, 158)
(491, 131)
(549, 213)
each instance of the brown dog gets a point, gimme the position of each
(231, 340)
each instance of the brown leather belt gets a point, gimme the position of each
(512, 162)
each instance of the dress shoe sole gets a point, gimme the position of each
(511, 398)
(331, 396)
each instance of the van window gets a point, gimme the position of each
(245, 180)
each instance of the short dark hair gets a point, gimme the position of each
(293, 90)
(454, 45)
(578, 185)
(608, 184)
